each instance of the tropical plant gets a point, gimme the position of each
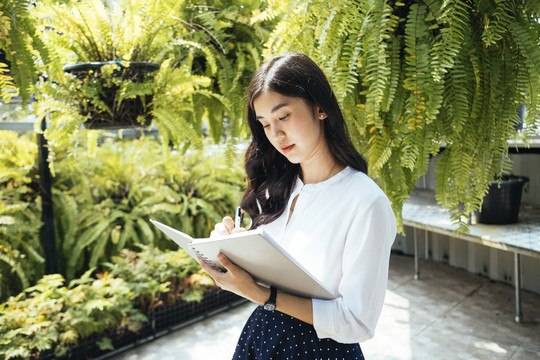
(21, 252)
(415, 77)
(201, 76)
(118, 33)
(104, 206)
(52, 317)
(146, 271)
(234, 31)
(103, 198)
(21, 45)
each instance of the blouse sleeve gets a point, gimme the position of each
(352, 317)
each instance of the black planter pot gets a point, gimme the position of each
(123, 115)
(501, 204)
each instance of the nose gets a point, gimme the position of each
(277, 132)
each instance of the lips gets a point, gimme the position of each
(286, 149)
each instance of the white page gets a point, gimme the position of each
(177, 236)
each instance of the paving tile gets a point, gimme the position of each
(432, 345)
(489, 314)
(523, 353)
(400, 272)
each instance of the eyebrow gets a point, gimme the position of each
(274, 109)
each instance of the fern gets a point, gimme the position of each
(498, 22)
(206, 51)
(105, 206)
(428, 73)
(455, 20)
(18, 39)
(7, 87)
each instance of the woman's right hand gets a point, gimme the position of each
(225, 227)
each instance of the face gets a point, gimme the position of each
(292, 126)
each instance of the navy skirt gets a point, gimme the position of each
(273, 335)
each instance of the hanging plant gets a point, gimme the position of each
(103, 93)
(96, 78)
(204, 52)
(416, 77)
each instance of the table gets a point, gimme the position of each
(523, 238)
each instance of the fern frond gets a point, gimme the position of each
(454, 22)
(7, 86)
(497, 23)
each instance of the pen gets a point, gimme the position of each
(238, 217)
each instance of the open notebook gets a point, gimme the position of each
(255, 252)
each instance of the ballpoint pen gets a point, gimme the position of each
(238, 217)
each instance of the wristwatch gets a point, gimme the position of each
(270, 304)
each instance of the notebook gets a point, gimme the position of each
(258, 254)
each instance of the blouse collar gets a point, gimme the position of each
(300, 186)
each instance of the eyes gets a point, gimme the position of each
(279, 118)
(283, 117)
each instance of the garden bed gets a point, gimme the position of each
(161, 321)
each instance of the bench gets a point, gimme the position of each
(523, 238)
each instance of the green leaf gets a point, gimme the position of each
(105, 343)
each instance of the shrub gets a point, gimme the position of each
(104, 205)
(103, 198)
(51, 316)
(21, 253)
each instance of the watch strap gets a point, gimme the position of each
(270, 304)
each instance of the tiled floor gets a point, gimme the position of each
(447, 314)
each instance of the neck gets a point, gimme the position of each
(320, 171)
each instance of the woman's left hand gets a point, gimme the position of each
(236, 280)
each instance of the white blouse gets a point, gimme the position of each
(341, 231)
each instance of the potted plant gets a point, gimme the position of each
(206, 52)
(423, 78)
(108, 86)
(112, 109)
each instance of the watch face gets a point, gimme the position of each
(270, 307)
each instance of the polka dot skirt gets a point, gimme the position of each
(272, 335)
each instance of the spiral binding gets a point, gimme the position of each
(208, 261)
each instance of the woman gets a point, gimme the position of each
(308, 189)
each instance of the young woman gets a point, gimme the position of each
(308, 189)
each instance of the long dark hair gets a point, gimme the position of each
(271, 176)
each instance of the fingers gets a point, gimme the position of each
(228, 223)
(223, 228)
(224, 260)
(218, 276)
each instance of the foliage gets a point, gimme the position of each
(234, 31)
(150, 270)
(51, 316)
(21, 253)
(117, 32)
(205, 52)
(104, 197)
(21, 44)
(415, 76)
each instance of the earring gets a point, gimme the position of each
(321, 116)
